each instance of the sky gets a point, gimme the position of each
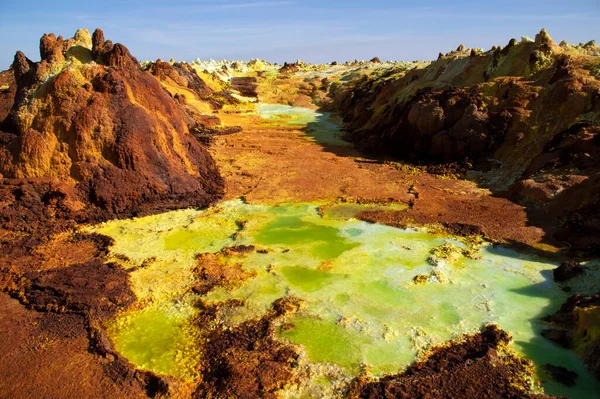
(281, 30)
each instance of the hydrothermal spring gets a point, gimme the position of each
(363, 308)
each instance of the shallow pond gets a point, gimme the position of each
(362, 306)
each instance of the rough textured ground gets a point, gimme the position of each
(55, 294)
(46, 355)
(278, 164)
(247, 361)
(267, 164)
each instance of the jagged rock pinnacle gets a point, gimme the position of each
(543, 38)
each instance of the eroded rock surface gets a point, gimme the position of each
(88, 116)
(525, 115)
(248, 361)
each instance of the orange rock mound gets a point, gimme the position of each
(88, 118)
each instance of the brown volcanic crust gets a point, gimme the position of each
(47, 355)
(462, 213)
(246, 361)
(216, 270)
(108, 128)
(60, 349)
(470, 368)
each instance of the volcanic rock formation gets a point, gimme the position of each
(527, 115)
(85, 135)
(196, 97)
(88, 121)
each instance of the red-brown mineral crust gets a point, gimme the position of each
(473, 367)
(247, 361)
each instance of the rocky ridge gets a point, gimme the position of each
(523, 118)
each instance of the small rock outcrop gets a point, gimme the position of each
(575, 326)
(476, 366)
(566, 271)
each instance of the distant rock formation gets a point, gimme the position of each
(290, 68)
(193, 95)
(181, 74)
(87, 118)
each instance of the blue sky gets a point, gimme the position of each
(281, 30)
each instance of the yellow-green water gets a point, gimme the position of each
(362, 308)
(158, 338)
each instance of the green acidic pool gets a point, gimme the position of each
(362, 307)
(324, 242)
(158, 338)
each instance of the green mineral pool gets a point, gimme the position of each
(363, 308)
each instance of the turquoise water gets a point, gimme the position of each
(361, 305)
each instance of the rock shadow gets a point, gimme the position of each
(544, 352)
(327, 132)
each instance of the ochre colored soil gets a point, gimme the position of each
(52, 343)
(46, 355)
(267, 164)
